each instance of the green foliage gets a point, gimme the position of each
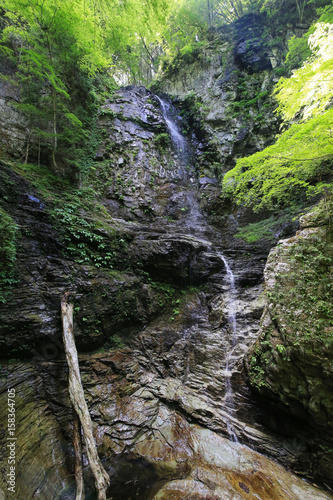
(299, 49)
(310, 86)
(299, 164)
(310, 287)
(83, 225)
(8, 231)
(54, 29)
(298, 52)
(184, 37)
(257, 365)
(293, 10)
(82, 240)
(268, 229)
(115, 342)
(230, 10)
(59, 50)
(186, 22)
(300, 301)
(162, 140)
(326, 14)
(240, 105)
(52, 43)
(8, 237)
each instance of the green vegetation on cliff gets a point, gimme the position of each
(88, 233)
(299, 164)
(298, 321)
(63, 58)
(8, 235)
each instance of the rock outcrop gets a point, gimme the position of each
(226, 83)
(150, 449)
(150, 277)
(290, 365)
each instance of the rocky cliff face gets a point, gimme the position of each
(226, 86)
(227, 83)
(290, 364)
(13, 124)
(167, 304)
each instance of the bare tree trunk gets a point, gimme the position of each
(54, 103)
(233, 5)
(38, 149)
(27, 148)
(27, 152)
(77, 442)
(79, 404)
(55, 140)
(300, 8)
(209, 14)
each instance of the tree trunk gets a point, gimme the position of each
(54, 103)
(77, 442)
(38, 149)
(28, 147)
(79, 404)
(209, 14)
(300, 8)
(27, 152)
(55, 140)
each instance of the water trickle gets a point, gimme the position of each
(231, 300)
(178, 140)
(195, 221)
(232, 320)
(187, 338)
(36, 201)
(196, 224)
(56, 464)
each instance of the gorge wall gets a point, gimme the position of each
(149, 254)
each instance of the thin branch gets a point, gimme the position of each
(297, 159)
(147, 50)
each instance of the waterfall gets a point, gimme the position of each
(179, 142)
(232, 320)
(232, 291)
(195, 221)
(196, 224)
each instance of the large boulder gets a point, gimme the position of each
(290, 365)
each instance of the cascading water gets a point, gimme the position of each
(196, 223)
(178, 140)
(232, 320)
(232, 296)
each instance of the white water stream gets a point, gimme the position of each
(196, 223)
(232, 320)
(178, 140)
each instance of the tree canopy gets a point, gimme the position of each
(59, 47)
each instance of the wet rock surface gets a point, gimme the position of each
(167, 387)
(221, 85)
(13, 124)
(290, 365)
(227, 84)
(150, 447)
(41, 454)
